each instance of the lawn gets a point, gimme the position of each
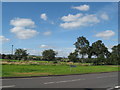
(45, 70)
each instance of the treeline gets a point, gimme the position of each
(97, 53)
(21, 54)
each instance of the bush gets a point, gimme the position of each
(55, 62)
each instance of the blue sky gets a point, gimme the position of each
(39, 26)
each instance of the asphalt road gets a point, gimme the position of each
(101, 80)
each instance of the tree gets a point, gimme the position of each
(49, 55)
(21, 54)
(3, 56)
(9, 56)
(73, 56)
(90, 50)
(99, 49)
(100, 60)
(0, 56)
(116, 50)
(82, 46)
(115, 55)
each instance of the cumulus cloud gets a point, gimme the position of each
(23, 33)
(3, 39)
(43, 16)
(82, 7)
(20, 28)
(22, 22)
(104, 16)
(47, 33)
(78, 20)
(105, 34)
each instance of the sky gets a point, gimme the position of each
(38, 26)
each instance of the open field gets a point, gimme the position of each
(44, 70)
(13, 68)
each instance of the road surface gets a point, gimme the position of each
(100, 80)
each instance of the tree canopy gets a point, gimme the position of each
(98, 49)
(82, 46)
(49, 55)
(21, 54)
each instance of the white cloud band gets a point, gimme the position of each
(82, 7)
(105, 34)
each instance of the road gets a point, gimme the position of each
(100, 80)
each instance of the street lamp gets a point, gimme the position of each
(12, 49)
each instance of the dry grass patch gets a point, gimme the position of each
(114, 66)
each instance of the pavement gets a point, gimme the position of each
(100, 80)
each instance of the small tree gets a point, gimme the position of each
(49, 55)
(3, 56)
(21, 54)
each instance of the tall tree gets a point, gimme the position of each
(99, 49)
(21, 54)
(115, 55)
(82, 46)
(49, 55)
(116, 50)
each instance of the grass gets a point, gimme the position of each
(15, 68)
(44, 70)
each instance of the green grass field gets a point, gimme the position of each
(44, 70)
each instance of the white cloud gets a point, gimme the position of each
(23, 33)
(105, 34)
(110, 47)
(3, 39)
(104, 16)
(82, 7)
(20, 28)
(71, 17)
(47, 33)
(45, 46)
(78, 20)
(22, 22)
(43, 16)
